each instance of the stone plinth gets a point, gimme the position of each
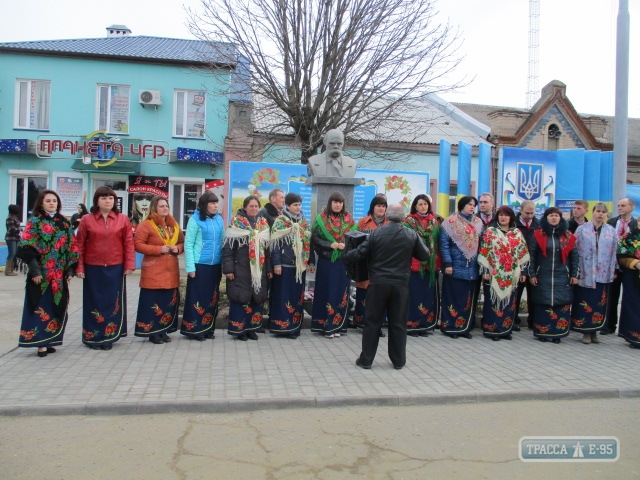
(323, 187)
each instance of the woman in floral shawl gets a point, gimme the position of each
(629, 259)
(247, 264)
(331, 296)
(160, 239)
(459, 241)
(291, 257)
(553, 271)
(596, 243)
(49, 250)
(502, 258)
(424, 293)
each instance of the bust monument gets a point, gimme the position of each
(331, 162)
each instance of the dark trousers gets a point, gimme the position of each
(612, 305)
(394, 300)
(530, 306)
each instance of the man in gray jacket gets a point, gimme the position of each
(389, 250)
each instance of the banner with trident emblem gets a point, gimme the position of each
(528, 175)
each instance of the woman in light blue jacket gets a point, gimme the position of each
(203, 261)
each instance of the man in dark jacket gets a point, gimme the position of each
(273, 209)
(389, 250)
(623, 224)
(527, 223)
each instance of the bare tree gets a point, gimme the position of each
(315, 65)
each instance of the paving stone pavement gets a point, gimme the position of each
(225, 375)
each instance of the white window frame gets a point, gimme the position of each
(32, 109)
(106, 118)
(25, 174)
(189, 114)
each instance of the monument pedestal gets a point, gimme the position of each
(323, 187)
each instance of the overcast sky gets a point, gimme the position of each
(577, 41)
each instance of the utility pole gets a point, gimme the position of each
(621, 121)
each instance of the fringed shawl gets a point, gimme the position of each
(465, 233)
(503, 255)
(429, 235)
(241, 232)
(294, 232)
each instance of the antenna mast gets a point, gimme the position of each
(534, 44)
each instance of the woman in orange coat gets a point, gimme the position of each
(160, 240)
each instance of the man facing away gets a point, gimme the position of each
(580, 208)
(389, 250)
(623, 224)
(331, 162)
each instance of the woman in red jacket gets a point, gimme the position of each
(106, 249)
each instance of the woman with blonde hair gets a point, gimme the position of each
(160, 240)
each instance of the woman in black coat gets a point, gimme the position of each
(553, 272)
(246, 263)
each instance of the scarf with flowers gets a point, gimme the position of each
(465, 233)
(503, 255)
(256, 234)
(333, 227)
(429, 231)
(629, 247)
(293, 231)
(51, 238)
(168, 230)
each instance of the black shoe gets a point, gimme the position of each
(51, 350)
(94, 347)
(605, 332)
(242, 338)
(398, 367)
(42, 354)
(105, 347)
(199, 339)
(467, 335)
(556, 340)
(260, 330)
(166, 338)
(516, 328)
(423, 334)
(634, 346)
(542, 339)
(413, 334)
(293, 336)
(156, 339)
(381, 334)
(507, 337)
(362, 365)
(495, 339)
(209, 335)
(252, 336)
(454, 336)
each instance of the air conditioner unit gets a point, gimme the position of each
(150, 97)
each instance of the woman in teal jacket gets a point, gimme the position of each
(203, 262)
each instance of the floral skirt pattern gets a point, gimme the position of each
(424, 303)
(244, 317)
(551, 322)
(286, 304)
(104, 305)
(201, 301)
(41, 328)
(331, 298)
(458, 305)
(497, 322)
(629, 324)
(589, 308)
(157, 311)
